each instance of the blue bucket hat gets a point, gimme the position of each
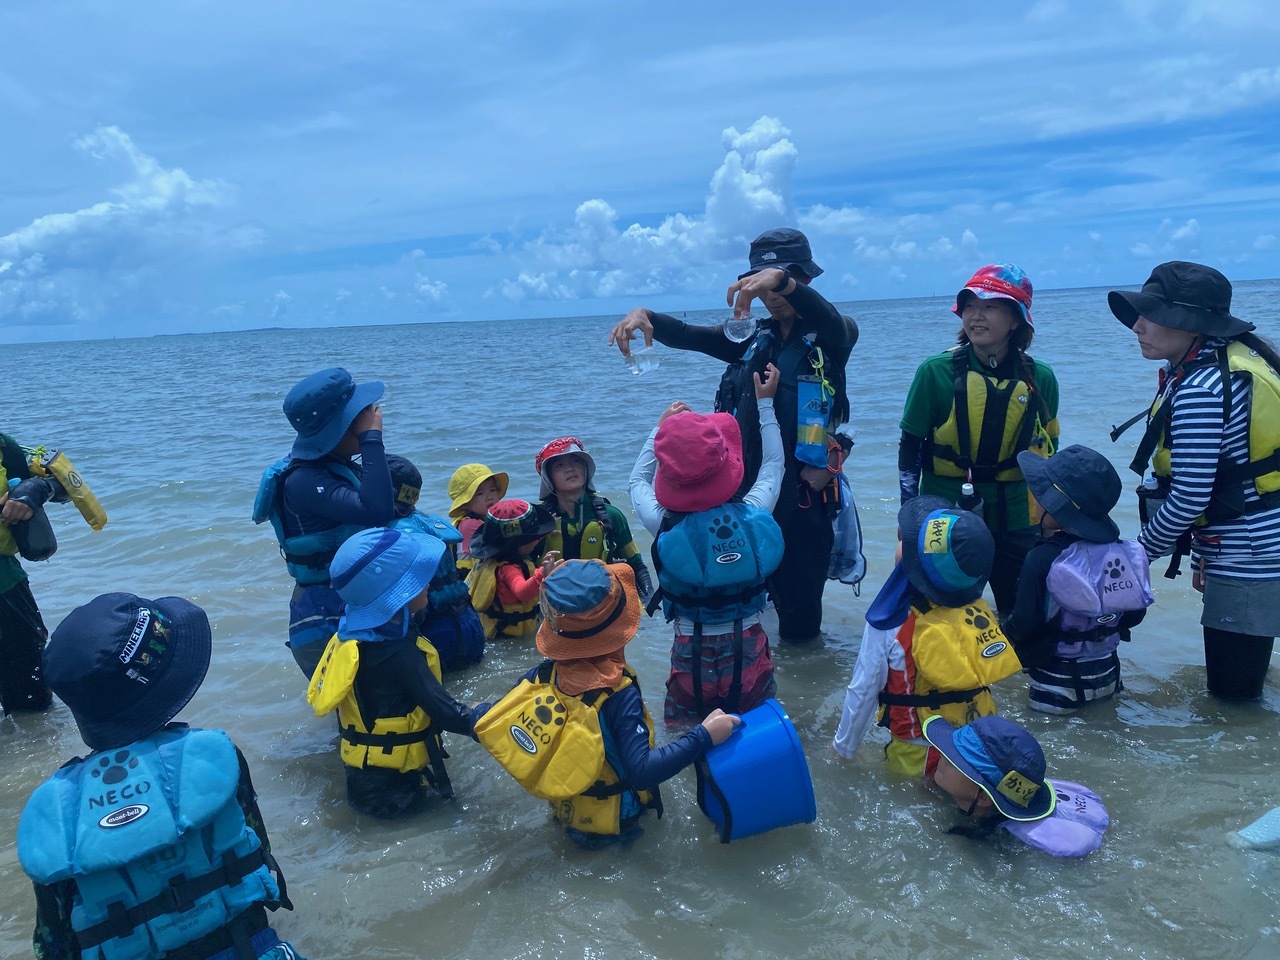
(321, 408)
(378, 571)
(126, 666)
(1000, 757)
(946, 552)
(1079, 487)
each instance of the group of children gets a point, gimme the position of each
(421, 595)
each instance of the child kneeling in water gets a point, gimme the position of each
(448, 620)
(1082, 588)
(931, 645)
(383, 676)
(153, 845)
(712, 552)
(575, 730)
(505, 582)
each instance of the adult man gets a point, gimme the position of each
(804, 337)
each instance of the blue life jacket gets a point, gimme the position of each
(712, 565)
(448, 588)
(306, 555)
(155, 841)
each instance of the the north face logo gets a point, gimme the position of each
(769, 256)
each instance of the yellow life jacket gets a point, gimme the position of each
(987, 446)
(55, 463)
(953, 655)
(554, 746)
(8, 545)
(402, 743)
(497, 618)
(589, 543)
(1263, 467)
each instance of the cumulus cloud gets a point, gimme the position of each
(71, 266)
(1169, 240)
(598, 257)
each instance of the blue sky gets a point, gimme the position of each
(193, 165)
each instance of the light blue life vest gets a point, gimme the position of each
(306, 555)
(155, 841)
(448, 588)
(712, 565)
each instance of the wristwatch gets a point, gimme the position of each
(782, 285)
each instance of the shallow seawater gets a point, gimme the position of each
(173, 432)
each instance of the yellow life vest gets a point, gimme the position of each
(497, 618)
(971, 441)
(554, 747)
(1264, 436)
(55, 464)
(396, 743)
(8, 545)
(953, 655)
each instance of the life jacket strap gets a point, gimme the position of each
(179, 897)
(387, 741)
(933, 699)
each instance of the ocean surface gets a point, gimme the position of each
(173, 432)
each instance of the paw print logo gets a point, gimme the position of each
(111, 769)
(975, 618)
(723, 527)
(1114, 569)
(548, 710)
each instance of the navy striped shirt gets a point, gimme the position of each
(1247, 547)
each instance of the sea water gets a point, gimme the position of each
(173, 432)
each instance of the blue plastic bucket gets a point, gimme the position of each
(758, 779)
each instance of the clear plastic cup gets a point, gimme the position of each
(740, 330)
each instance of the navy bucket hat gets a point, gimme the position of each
(126, 666)
(1183, 296)
(1079, 487)
(378, 571)
(783, 247)
(1003, 759)
(946, 552)
(321, 408)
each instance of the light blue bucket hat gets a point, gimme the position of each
(378, 571)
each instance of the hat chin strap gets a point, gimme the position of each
(599, 627)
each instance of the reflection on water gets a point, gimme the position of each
(173, 432)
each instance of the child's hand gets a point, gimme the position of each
(720, 724)
(766, 386)
(550, 561)
(370, 418)
(678, 407)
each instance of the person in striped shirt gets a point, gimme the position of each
(1212, 437)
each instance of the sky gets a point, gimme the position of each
(204, 165)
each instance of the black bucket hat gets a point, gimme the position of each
(783, 247)
(406, 481)
(1183, 296)
(126, 666)
(510, 523)
(1079, 486)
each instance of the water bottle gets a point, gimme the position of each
(643, 360)
(1150, 497)
(969, 500)
(739, 330)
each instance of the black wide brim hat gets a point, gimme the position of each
(1182, 296)
(784, 247)
(491, 538)
(1078, 487)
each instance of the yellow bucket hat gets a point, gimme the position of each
(466, 481)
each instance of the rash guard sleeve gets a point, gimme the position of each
(645, 768)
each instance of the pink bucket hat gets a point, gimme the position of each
(699, 461)
(999, 281)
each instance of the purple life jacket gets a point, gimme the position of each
(1093, 584)
(1075, 827)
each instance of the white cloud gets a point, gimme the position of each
(72, 265)
(430, 292)
(596, 257)
(1265, 241)
(279, 304)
